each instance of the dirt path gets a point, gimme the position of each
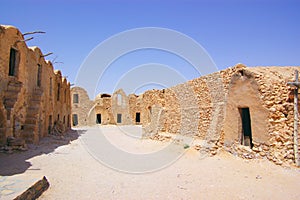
(74, 173)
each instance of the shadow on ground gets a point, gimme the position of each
(16, 163)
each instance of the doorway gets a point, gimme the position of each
(119, 118)
(137, 117)
(246, 136)
(98, 119)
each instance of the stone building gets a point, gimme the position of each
(117, 109)
(33, 96)
(246, 111)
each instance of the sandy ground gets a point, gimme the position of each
(74, 172)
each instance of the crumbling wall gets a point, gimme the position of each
(25, 87)
(120, 106)
(82, 108)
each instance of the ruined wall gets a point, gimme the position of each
(272, 121)
(213, 104)
(80, 108)
(26, 102)
(103, 108)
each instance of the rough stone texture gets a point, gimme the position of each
(208, 110)
(108, 106)
(29, 106)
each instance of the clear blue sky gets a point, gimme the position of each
(256, 33)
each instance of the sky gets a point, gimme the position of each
(255, 33)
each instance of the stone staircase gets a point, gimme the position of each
(31, 127)
(11, 96)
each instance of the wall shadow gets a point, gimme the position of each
(15, 163)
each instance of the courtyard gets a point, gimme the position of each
(75, 172)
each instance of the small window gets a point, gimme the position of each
(39, 75)
(119, 99)
(119, 118)
(58, 91)
(50, 87)
(13, 62)
(75, 119)
(75, 98)
(58, 117)
(65, 95)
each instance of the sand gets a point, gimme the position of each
(75, 173)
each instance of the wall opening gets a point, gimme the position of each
(50, 87)
(119, 118)
(75, 119)
(75, 98)
(246, 135)
(65, 95)
(98, 119)
(58, 91)
(119, 99)
(49, 124)
(39, 76)
(68, 121)
(13, 62)
(138, 117)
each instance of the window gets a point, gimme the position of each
(58, 117)
(58, 91)
(119, 118)
(12, 62)
(65, 95)
(75, 119)
(75, 98)
(50, 87)
(64, 120)
(39, 75)
(119, 99)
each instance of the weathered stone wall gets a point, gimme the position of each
(209, 109)
(82, 108)
(214, 102)
(26, 103)
(271, 112)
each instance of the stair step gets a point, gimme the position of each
(9, 103)
(15, 85)
(11, 94)
(30, 120)
(29, 127)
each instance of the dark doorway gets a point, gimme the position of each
(138, 117)
(119, 118)
(246, 138)
(50, 124)
(75, 120)
(98, 119)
